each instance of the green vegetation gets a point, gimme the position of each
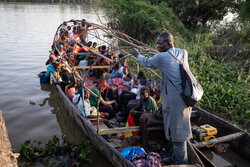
(226, 85)
(55, 153)
(195, 13)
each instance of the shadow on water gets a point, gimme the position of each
(68, 126)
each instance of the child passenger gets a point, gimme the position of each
(146, 114)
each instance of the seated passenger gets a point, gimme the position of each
(65, 76)
(70, 88)
(116, 73)
(62, 51)
(146, 114)
(89, 44)
(146, 104)
(64, 26)
(102, 49)
(63, 40)
(151, 84)
(123, 62)
(105, 106)
(94, 48)
(158, 95)
(128, 81)
(70, 33)
(125, 71)
(51, 67)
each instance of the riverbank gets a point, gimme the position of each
(7, 157)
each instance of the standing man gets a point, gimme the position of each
(176, 115)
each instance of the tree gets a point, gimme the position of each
(195, 13)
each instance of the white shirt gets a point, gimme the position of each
(86, 105)
(75, 97)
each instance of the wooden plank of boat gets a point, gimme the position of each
(203, 158)
(107, 131)
(219, 140)
(241, 146)
(106, 148)
(126, 129)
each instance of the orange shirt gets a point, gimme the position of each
(69, 92)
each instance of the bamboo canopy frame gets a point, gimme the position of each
(102, 35)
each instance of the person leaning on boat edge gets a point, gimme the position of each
(176, 114)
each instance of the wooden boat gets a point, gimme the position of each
(100, 135)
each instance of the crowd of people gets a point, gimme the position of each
(117, 96)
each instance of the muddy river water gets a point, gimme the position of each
(32, 110)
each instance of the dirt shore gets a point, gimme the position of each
(7, 157)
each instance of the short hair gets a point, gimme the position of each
(120, 56)
(141, 75)
(167, 36)
(145, 89)
(104, 47)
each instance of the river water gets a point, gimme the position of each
(32, 110)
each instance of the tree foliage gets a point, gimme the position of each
(226, 87)
(195, 13)
(245, 11)
(133, 16)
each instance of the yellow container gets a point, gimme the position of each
(210, 130)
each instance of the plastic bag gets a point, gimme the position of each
(130, 152)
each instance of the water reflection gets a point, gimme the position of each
(30, 110)
(68, 125)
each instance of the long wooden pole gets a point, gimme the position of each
(219, 140)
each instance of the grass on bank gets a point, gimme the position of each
(55, 153)
(226, 87)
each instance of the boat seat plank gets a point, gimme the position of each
(106, 131)
(101, 126)
(116, 143)
(126, 129)
(219, 140)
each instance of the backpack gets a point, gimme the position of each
(192, 90)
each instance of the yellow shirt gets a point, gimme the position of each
(95, 49)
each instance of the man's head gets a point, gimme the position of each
(165, 41)
(144, 93)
